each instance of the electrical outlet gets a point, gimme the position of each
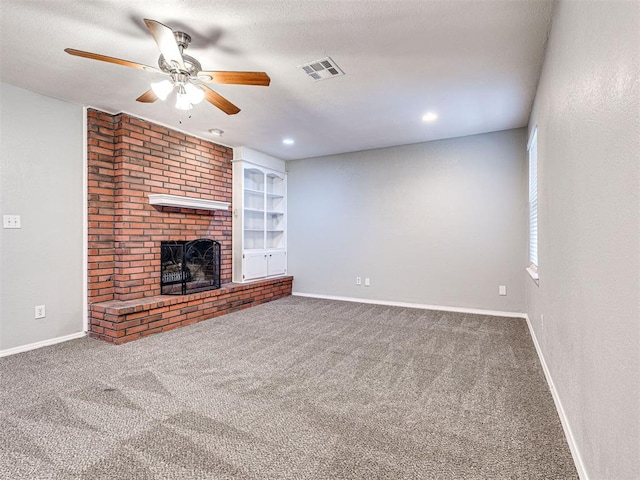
(40, 311)
(367, 282)
(358, 280)
(11, 221)
(502, 290)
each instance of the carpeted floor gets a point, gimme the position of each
(298, 388)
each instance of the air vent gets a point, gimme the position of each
(322, 69)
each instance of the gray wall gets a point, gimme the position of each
(438, 223)
(587, 109)
(41, 179)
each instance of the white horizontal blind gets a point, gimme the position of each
(533, 198)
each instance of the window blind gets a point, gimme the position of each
(533, 198)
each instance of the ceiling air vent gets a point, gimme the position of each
(322, 69)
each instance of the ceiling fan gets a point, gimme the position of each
(187, 78)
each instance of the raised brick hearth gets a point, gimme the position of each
(128, 159)
(123, 321)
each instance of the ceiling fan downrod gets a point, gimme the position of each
(183, 40)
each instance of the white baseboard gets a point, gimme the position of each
(494, 313)
(568, 433)
(43, 343)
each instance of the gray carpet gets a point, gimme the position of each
(294, 389)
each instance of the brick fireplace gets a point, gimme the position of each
(128, 159)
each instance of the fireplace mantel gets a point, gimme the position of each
(164, 200)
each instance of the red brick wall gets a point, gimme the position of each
(128, 158)
(101, 208)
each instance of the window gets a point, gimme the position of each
(533, 204)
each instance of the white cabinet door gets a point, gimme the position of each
(276, 263)
(255, 265)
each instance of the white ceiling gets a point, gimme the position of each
(475, 63)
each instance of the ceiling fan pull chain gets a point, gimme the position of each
(188, 116)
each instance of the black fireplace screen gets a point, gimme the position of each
(189, 267)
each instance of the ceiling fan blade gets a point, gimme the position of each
(147, 97)
(166, 41)
(236, 78)
(219, 101)
(117, 61)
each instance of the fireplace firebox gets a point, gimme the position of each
(189, 266)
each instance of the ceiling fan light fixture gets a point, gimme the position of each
(182, 102)
(162, 89)
(193, 93)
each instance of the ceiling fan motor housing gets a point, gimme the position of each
(191, 66)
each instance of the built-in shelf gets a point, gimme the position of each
(164, 200)
(259, 227)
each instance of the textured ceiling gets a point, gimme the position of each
(475, 63)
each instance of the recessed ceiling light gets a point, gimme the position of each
(429, 117)
(216, 131)
(288, 141)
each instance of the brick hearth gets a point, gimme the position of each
(123, 321)
(128, 159)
